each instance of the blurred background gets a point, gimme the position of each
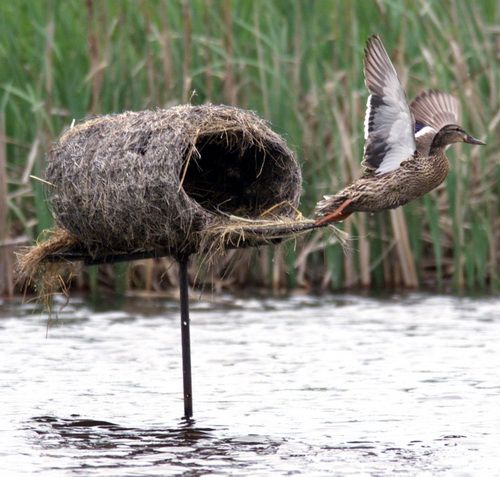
(299, 65)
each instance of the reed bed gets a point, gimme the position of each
(299, 65)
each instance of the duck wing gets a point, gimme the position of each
(434, 109)
(389, 124)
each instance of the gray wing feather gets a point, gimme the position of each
(389, 126)
(435, 109)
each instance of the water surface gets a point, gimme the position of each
(299, 386)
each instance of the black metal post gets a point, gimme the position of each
(185, 337)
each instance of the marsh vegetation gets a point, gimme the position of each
(298, 65)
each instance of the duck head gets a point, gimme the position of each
(452, 133)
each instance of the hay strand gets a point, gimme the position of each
(36, 268)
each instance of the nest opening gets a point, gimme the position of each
(224, 177)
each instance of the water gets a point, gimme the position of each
(299, 386)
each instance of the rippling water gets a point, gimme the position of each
(298, 386)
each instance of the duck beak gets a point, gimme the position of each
(472, 140)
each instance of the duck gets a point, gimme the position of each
(405, 144)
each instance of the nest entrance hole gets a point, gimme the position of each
(227, 177)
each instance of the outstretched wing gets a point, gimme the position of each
(434, 109)
(389, 127)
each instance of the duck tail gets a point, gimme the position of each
(332, 209)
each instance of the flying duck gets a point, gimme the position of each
(404, 154)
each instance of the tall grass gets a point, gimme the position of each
(298, 64)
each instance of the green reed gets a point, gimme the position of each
(298, 64)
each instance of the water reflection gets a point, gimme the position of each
(188, 449)
(109, 445)
(310, 386)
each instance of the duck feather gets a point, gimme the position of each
(389, 124)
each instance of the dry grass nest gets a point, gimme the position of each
(175, 181)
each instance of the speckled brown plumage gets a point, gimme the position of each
(370, 193)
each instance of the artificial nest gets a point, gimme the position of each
(156, 179)
(168, 182)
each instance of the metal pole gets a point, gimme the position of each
(185, 337)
